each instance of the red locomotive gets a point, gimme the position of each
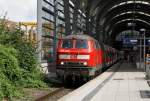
(83, 56)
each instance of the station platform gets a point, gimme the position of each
(122, 82)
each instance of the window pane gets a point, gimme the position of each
(81, 44)
(67, 44)
(48, 6)
(50, 1)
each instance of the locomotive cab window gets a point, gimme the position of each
(81, 44)
(67, 44)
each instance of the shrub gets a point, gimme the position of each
(9, 71)
(18, 64)
(31, 76)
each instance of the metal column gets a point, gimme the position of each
(99, 32)
(140, 53)
(55, 34)
(67, 17)
(87, 20)
(75, 15)
(144, 52)
(145, 55)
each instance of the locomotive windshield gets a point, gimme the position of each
(67, 44)
(81, 44)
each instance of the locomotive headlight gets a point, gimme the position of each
(83, 57)
(62, 63)
(85, 63)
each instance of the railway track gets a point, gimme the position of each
(55, 95)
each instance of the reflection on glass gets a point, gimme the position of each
(81, 44)
(67, 44)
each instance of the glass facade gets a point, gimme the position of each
(48, 26)
(49, 20)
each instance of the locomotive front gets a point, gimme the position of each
(73, 57)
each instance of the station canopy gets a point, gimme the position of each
(116, 16)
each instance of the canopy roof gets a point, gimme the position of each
(114, 15)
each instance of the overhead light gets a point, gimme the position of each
(142, 30)
(131, 24)
(71, 3)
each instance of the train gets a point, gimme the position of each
(83, 56)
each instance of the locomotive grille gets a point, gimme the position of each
(74, 64)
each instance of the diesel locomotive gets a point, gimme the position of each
(83, 56)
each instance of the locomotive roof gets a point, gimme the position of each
(79, 36)
(84, 37)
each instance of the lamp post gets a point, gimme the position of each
(144, 49)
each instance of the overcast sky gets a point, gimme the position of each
(19, 10)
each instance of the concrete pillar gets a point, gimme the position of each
(39, 29)
(67, 17)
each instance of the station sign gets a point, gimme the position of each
(130, 41)
(134, 41)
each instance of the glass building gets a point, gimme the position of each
(51, 25)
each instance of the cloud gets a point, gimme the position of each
(19, 10)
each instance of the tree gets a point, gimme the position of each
(18, 63)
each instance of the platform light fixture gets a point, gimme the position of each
(131, 24)
(142, 30)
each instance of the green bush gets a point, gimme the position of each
(26, 56)
(18, 64)
(31, 76)
(9, 71)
